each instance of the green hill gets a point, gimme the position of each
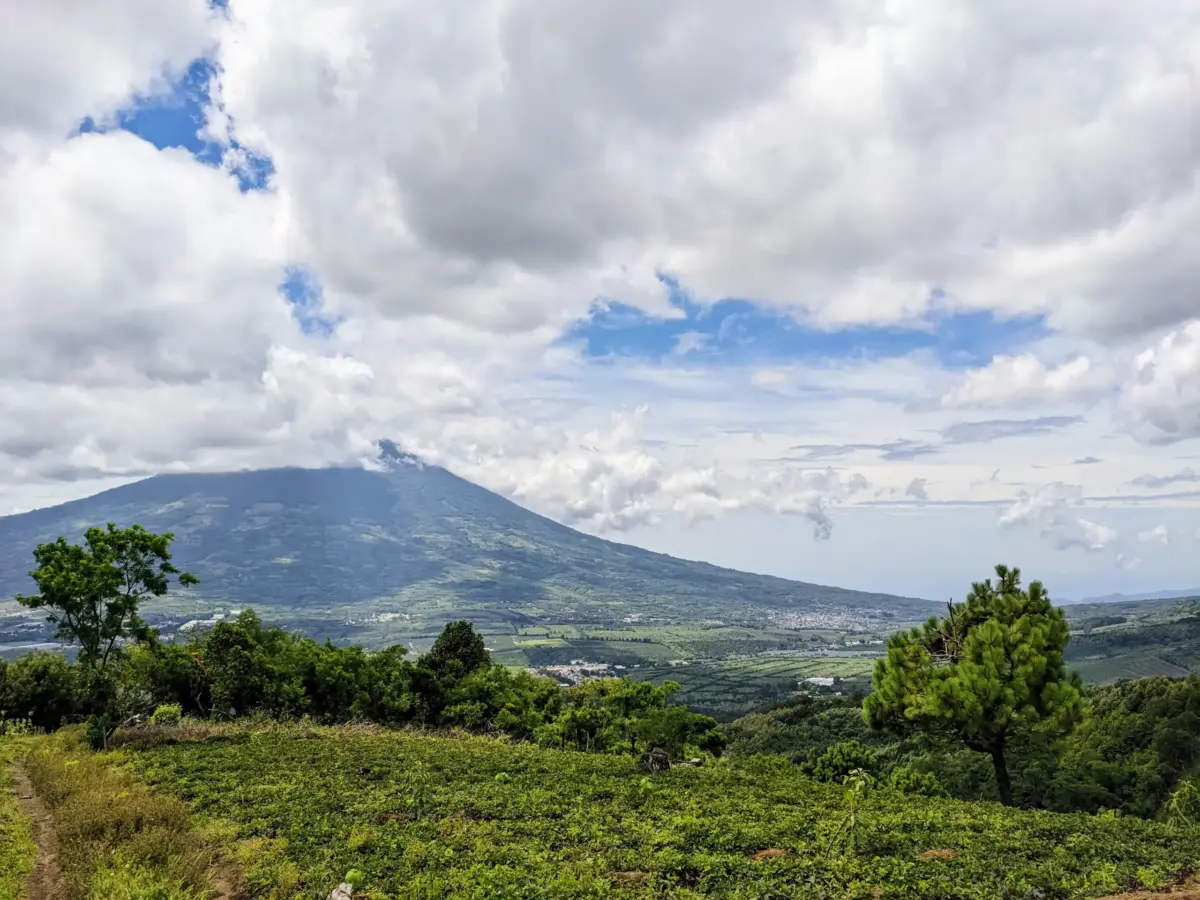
(424, 816)
(379, 556)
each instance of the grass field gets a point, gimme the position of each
(433, 816)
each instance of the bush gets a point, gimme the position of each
(909, 781)
(840, 760)
(167, 715)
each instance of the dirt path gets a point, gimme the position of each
(1189, 890)
(44, 882)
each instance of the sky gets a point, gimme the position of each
(869, 294)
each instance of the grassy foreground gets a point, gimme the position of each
(17, 849)
(434, 816)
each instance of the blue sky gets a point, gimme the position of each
(740, 331)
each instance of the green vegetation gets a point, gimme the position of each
(1137, 746)
(1163, 639)
(93, 592)
(17, 850)
(728, 687)
(424, 816)
(116, 839)
(990, 674)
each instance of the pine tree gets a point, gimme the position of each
(989, 672)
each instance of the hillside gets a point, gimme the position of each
(415, 546)
(1135, 639)
(424, 816)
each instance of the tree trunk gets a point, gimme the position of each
(1003, 785)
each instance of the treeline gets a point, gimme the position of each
(1139, 742)
(243, 667)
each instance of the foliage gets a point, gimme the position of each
(1183, 806)
(564, 824)
(836, 763)
(93, 592)
(858, 784)
(40, 687)
(1138, 741)
(167, 715)
(988, 674)
(457, 652)
(909, 780)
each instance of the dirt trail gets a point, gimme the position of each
(1189, 890)
(44, 882)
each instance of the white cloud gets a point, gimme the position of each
(1024, 381)
(564, 147)
(769, 379)
(1161, 400)
(1156, 535)
(1052, 511)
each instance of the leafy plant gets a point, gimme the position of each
(167, 715)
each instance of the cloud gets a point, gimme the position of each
(1023, 381)
(567, 148)
(61, 61)
(1156, 535)
(769, 379)
(1088, 461)
(689, 342)
(1184, 475)
(1160, 403)
(1051, 510)
(916, 489)
(995, 429)
(1128, 563)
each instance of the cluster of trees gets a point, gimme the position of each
(243, 666)
(980, 704)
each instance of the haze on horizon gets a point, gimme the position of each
(873, 296)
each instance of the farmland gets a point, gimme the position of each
(729, 686)
(423, 816)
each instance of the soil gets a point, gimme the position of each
(1189, 890)
(44, 882)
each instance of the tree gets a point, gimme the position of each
(458, 651)
(93, 592)
(39, 687)
(990, 672)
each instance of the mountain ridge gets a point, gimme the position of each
(422, 542)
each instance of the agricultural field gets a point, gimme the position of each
(1130, 665)
(727, 688)
(419, 816)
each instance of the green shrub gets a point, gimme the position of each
(840, 760)
(167, 715)
(910, 781)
